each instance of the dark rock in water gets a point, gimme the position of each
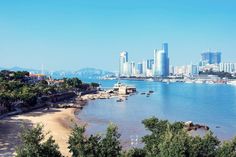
(119, 100)
(190, 126)
(206, 127)
(217, 127)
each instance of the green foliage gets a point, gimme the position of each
(110, 145)
(135, 152)
(95, 146)
(174, 144)
(16, 86)
(95, 85)
(81, 146)
(77, 142)
(227, 149)
(209, 145)
(170, 139)
(72, 82)
(6, 99)
(34, 144)
(158, 129)
(173, 141)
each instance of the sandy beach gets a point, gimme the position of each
(57, 122)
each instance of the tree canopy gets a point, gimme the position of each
(34, 144)
(164, 140)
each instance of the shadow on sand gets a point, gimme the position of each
(10, 129)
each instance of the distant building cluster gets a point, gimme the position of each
(158, 66)
(210, 61)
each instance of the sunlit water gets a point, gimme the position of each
(212, 105)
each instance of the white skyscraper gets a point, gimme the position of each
(155, 63)
(124, 66)
(132, 69)
(161, 61)
(145, 64)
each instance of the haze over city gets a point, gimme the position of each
(67, 35)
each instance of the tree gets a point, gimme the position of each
(209, 144)
(27, 96)
(135, 152)
(20, 75)
(6, 99)
(73, 82)
(34, 144)
(174, 145)
(228, 148)
(77, 142)
(157, 128)
(81, 146)
(110, 145)
(205, 146)
(94, 146)
(95, 85)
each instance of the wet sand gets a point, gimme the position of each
(58, 122)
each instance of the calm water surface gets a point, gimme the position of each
(213, 105)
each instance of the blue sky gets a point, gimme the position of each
(72, 34)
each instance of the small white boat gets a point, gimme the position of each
(166, 81)
(150, 79)
(199, 81)
(232, 83)
(188, 81)
(210, 82)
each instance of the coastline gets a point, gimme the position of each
(57, 122)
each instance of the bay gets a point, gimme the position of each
(213, 105)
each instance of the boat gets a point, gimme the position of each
(210, 82)
(173, 80)
(232, 83)
(124, 89)
(151, 91)
(188, 81)
(199, 81)
(166, 81)
(150, 79)
(119, 100)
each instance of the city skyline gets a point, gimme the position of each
(157, 66)
(64, 35)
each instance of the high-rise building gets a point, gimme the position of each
(192, 70)
(145, 68)
(161, 61)
(124, 66)
(132, 69)
(211, 57)
(155, 68)
(150, 63)
(228, 67)
(140, 68)
(167, 60)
